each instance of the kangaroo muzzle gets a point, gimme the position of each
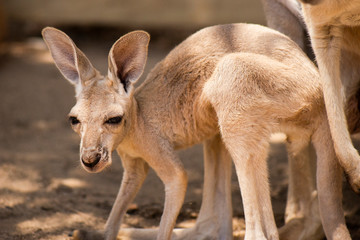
(94, 160)
(90, 160)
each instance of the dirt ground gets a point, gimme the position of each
(45, 194)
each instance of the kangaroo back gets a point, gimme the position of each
(172, 92)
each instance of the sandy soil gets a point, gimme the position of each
(45, 194)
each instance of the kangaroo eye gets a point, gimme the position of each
(73, 120)
(114, 120)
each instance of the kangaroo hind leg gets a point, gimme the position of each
(329, 183)
(248, 146)
(241, 90)
(302, 217)
(215, 218)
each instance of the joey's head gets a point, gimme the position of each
(103, 109)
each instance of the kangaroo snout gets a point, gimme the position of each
(90, 160)
(94, 160)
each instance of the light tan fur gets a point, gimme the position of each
(228, 86)
(334, 29)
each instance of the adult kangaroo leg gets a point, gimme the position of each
(302, 217)
(327, 41)
(329, 183)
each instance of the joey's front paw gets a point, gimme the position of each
(86, 235)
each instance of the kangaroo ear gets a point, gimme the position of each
(71, 62)
(127, 58)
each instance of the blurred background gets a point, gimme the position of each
(44, 192)
(153, 14)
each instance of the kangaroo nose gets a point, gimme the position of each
(91, 160)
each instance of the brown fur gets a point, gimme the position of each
(228, 86)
